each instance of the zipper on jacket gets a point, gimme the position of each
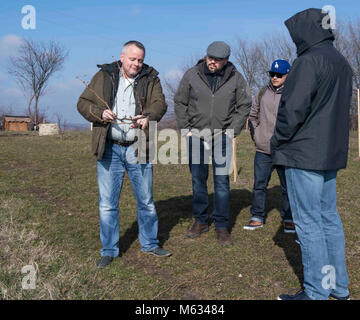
(212, 98)
(211, 109)
(113, 93)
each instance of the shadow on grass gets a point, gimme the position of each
(169, 213)
(292, 251)
(173, 210)
(273, 201)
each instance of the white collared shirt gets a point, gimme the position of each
(124, 107)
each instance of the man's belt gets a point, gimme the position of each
(123, 143)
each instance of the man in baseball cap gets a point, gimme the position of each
(262, 121)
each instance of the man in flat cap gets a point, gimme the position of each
(211, 105)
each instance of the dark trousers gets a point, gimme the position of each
(263, 169)
(200, 171)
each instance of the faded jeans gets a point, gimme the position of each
(312, 196)
(111, 170)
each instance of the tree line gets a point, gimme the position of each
(36, 63)
(254, 57)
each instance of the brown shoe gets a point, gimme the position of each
(223, 237)
(253, 225)
(197, 229)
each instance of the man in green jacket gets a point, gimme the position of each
(211, 106)
(124, 97)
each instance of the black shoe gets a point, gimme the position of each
(300, 295)
(160, 252)
(339, 298)
(104, 261)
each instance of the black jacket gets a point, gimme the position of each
(312, 127)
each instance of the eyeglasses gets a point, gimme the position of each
(273, 74)
(215, 59)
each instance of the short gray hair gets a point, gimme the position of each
(133, 43)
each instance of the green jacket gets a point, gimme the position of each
(149, 99)
(198, 107)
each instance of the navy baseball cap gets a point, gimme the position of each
(280, 66)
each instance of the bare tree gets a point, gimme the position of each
(254, 58)
(247, 57)
(347, 41)
(5, 111)
(32, 68)
(62, 123)
(354, 40)
(171, 83)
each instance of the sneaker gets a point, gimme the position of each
(196, 230)
(223, 237)
(300, 295)
(160, 252)
(289, 227)
(339, 298)
(104, 261)
(252, 225)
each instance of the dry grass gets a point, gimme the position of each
(49, 219)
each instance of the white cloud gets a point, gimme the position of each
(9, 45)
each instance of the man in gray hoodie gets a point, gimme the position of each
(211, 106)
(262, 123)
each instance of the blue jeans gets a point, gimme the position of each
(111, 170)
(199, 169)
(263, 169)
(312, 196)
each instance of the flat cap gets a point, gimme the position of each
(218, 49)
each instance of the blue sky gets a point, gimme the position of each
(172, 31)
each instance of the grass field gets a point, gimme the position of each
(49, 220)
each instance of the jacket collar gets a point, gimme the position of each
(227, 71)
(275, 90)
(114, 68)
